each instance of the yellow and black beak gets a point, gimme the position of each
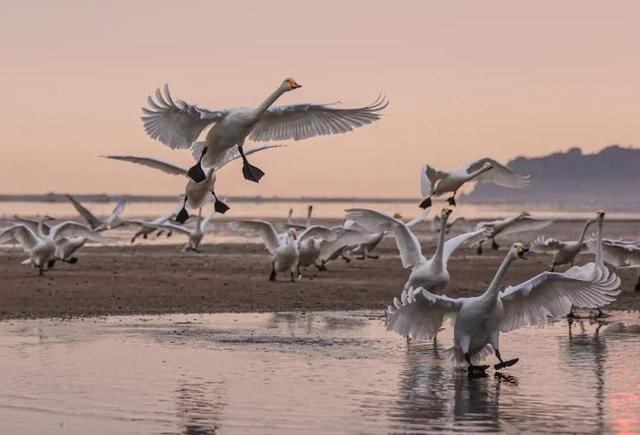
(521, 251)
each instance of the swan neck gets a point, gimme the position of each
(268, 102)
(494, 287)
(584, 232)
(599, 259)
(437, 257)
(476, 173)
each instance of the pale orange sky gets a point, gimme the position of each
(466, 79)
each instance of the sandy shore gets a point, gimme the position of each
(156, 279)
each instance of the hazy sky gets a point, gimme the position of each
(466, 79)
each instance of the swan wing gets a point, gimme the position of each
(93, 221)
(499, 174)
(551, 294)
(340, 239)
(316, 231)
(455, 242)
(117, 211)
(526, 224)
(22, 234)
(176, 124)
(170, 226)
(166, 167)
(421, 217)
(617, 254)
(428, 178)
(31, 224)
(419, 313)
(375, 222)
(542, 245)
(233, 154)
(302, 121)
(264, 229)
(70, 229)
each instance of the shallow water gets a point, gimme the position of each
(314, 372)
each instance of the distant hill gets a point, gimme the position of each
(610, 178)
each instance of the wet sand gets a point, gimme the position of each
(154, 279)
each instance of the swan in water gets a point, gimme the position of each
(436, 183)
(283, 248)
(112, 221)
(513, 225)
(195, 234)
(564, 252)
(45, 246)
(480, 319)
(65, 246)
(178, 124)
(196, 193)
(431, 274)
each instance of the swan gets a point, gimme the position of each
(431, 274)
(195, 234)
(283, 249)
(516, 224)
(112, 221)
(149, 227)
(339, 243)
(310, 246)
(178, 124)
(292, 224)
(480, 319)
(196, 193)
(563, 252)
(436, 183)
(43, 246)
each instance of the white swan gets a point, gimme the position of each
(564, 252)
(431, 274)
(195, 234)
(297, 226)
(196, 193)
(150, 227)
(479, 320)
(42, 247)
(112, 221)
(284, 250)
(513, 225)
(436, 183)
(179, 124)
(341, 241)
(310, 246)
(436, 223)
(65, 246)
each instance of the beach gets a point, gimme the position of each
(233, 277)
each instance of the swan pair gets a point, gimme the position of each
(178, 124)
(479, 320)
(196, 193)
(435, 183)
(44, 244)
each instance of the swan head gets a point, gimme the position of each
(446, 212)
(293, 235)
(600, 215)
(487, 165)
(524, 214)
(397, 215)
(289, 84)
(518, 250)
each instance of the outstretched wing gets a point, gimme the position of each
(617, 254)
(117, 211)
(316, 231)
(264, 228)
(22, 234)
(176, 124)
(546, 246)
(408, 244)
(73, 229)
(167, 168)
(86, 214)
(455, 242)
(428, 178)
(499, 174)
(31, 224)
(552, 294)
(419, 314)
(302, 121)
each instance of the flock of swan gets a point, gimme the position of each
(422, 306)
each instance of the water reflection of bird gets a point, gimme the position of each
(199, 406)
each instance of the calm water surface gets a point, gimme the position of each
(314, 372)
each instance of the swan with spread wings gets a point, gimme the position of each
(479, 320)
(178, 124)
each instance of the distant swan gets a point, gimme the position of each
(564, 252)
(513, 225)
(178, 124)
(112, 221)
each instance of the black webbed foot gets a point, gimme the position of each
(451, 201)
(196, 173)
(182, 216)
(373, 257)
(51, 263)
(272, 277)
(477, 371)
(479, 251)
(494, 245)
(72, 260)
(220, 207)
(252, 173)
(426, 203)
(504, 364)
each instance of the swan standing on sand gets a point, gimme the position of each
(480, 319)
(41, 247)
(436, 183)
(196, 193)
(563, 252)
(195, 234)
(179, 124)
(517, 224)
(283, 249)
(111, 222)
(431, 274)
